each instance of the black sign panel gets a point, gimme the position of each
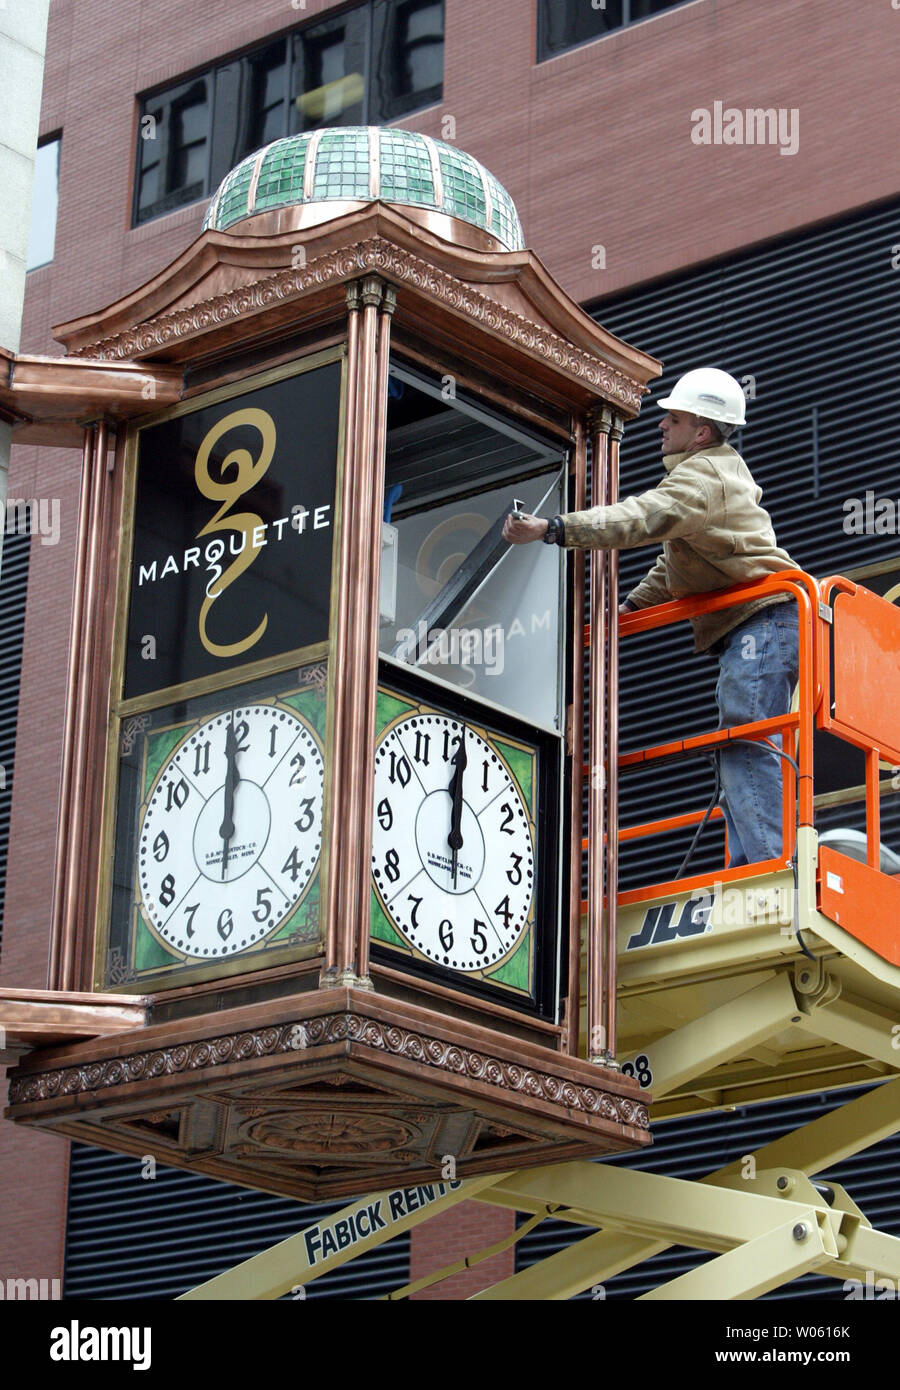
(234, 526)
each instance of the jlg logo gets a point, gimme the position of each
(659, 925)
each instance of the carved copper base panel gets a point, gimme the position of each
(329, 1095)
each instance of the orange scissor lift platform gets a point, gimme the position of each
(777, 978)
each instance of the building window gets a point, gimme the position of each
(44, 199)
(173, 149)
(408, 62)
(329, 72)
(366, 66)
(563, 24)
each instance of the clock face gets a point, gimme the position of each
(231, 832)
(453, 858)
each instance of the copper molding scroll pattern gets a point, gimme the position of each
(373, 254)
(328, 1028)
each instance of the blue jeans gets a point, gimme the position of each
(758, 667)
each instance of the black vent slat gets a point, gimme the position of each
(130, 1237)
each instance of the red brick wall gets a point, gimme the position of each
(594, 147)
(451, 1236)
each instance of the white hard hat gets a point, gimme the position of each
(708, 392)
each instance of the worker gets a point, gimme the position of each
(706, 512)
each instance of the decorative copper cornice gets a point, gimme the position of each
(373, 254)
(304, 1036)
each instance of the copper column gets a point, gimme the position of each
(575, 749)
(597, 1014)
(71, 886)
(342, 560)
(58, 946)
(612, 760)
(356, 642)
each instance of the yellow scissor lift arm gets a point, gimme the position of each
(739, 986)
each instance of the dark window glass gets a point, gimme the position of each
(267, 96)
(149, 143)
(173, 149)
(563, 24)
(192, 135)
(642, 9)
(188, 140)
(420, 46)
(329, 73)
(408, 56)
(231, 120)
(251, 107)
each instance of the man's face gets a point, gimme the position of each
(680, 431)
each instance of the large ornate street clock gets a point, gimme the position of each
(321, 797)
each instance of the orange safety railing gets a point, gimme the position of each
(797, 787)
(860, 678)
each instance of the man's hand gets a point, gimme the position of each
(627, 607)
(530, 528)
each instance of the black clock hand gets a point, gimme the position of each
(455, 839)
(226, 829)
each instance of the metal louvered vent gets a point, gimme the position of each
(13, 590)
(133, 1237)
(807, 324)
(691, 1148)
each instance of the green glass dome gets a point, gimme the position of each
(362, 164)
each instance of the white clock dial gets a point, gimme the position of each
(453, 861)
(232, 831)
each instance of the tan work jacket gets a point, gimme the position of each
(706, 512)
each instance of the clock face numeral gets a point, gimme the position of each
(232, 831)
(452, 848)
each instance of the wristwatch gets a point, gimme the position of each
(555, 533)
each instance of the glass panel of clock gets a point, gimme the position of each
(458, 602)
(219, 831)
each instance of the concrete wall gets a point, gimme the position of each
(23, 33)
